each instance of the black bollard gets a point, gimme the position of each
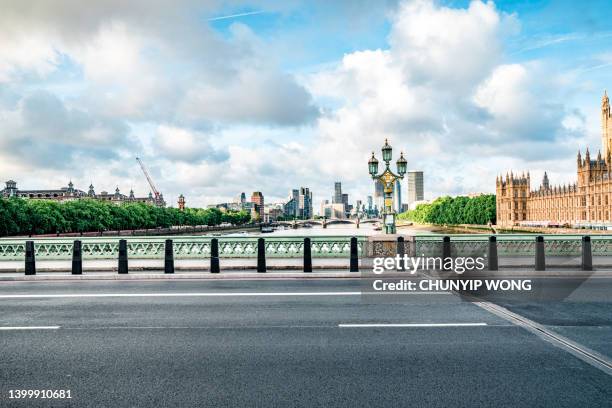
(169, 257)
(446, 251)
(401, 251)
(354, 267)
(587, 254)
(261, 255)
(123, 256)
(77, 258)
(214, 256)
(307, 255)
(30, 258)
(540, 257)
(493, 261)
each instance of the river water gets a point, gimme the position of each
(333, 230)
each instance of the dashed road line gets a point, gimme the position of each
(411, 324)
(6, 328)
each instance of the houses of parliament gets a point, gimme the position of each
(587, 202)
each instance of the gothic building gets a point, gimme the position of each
(71, 193)
(588, 202)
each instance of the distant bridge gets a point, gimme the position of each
(325, 222)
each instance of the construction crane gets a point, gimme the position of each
(146, 173)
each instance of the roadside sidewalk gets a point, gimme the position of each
(288, 273)
(105, 265)
(160, 275)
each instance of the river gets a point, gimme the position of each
(337, 230)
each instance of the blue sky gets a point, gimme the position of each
(297, 93)
(549, 28)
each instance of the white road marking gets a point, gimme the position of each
(585, 354)
(411, 324)
(238, 327)
(201, 294)
(30, 328)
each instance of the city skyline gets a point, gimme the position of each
(217, 99)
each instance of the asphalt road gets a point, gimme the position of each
(286, 343)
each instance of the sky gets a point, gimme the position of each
(222, 97)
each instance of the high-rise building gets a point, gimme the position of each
(291, 207)
(379, 194)
(332, 210)
(322, 209)
(299, 204)
(415, 187)
(397, 196)
(239, 201)
(337, 199)
(258, 208)
(370, 204)
(345, 202)
(305, 203)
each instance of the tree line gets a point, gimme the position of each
(23, 217)
(478, 210)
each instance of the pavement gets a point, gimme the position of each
(273, 263)
(297, 342)
(105, 265)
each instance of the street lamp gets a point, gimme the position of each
(388, 179)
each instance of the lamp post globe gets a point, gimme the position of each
(401, 165)
(386, 152)
(373, 165)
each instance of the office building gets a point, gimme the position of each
(305, 203)
(257, 199)
(415, 191)
(397, 196)
(379, 194)
(299, 204)
(337, 198)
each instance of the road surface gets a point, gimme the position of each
(292, 343)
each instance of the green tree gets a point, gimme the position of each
(22, 216)
(454, 210)
(46, 217)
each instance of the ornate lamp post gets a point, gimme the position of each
(388, 178)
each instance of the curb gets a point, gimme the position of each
(298, 274)
(182, 276)
(176, 268)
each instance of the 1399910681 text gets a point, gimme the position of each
(39, 394)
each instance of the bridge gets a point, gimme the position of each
(327, 221)
(307, 330)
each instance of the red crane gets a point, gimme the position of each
(146, 173)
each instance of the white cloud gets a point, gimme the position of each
(443, 94)
(258, 97)
(154, 62)
(225, 117)
(453, 47)
(185, 145)
(31, 53)
(42, 132)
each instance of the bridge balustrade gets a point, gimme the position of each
(572, 251)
